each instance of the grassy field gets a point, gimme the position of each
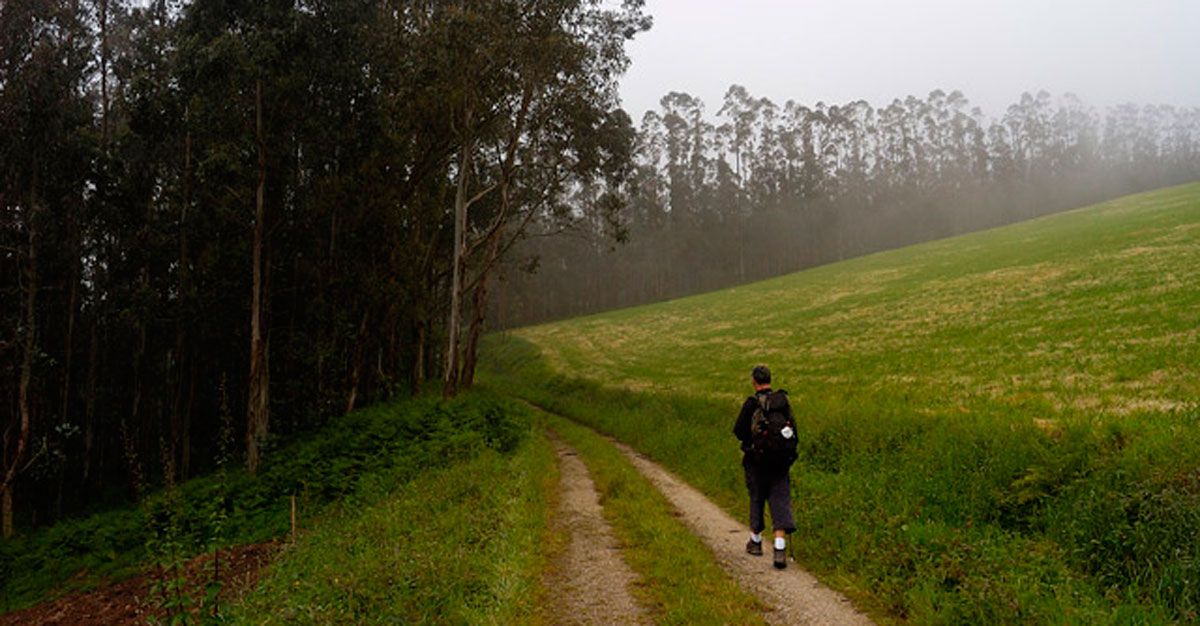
(998, 427)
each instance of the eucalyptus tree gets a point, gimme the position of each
(1181, 139)
(742, 112)
(682, 115)
(226, 58)
(650, 201)
(1027, 122)
(767, 158)
(44, 159)
(557, 126)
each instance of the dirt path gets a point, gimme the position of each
(793, 594)
(589, 582)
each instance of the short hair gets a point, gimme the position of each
(761, 374)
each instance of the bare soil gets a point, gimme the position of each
(794, 595)
(588, 582)
(129, 601)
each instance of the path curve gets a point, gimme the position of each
(794, 595)
(589, 582)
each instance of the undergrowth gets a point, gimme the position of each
(344, 462)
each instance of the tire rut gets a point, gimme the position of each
(589, 582)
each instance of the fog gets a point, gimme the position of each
(827, 176)
(836, 51)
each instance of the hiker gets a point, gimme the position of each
(767, 431)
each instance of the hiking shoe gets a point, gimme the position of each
(780, 558)
(754, 547)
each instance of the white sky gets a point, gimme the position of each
(1144, 51)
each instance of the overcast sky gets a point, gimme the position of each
(1105, 51)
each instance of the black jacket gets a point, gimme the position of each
(741, 428)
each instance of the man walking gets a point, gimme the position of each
(767, 431)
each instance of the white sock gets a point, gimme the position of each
(756, 537)
(780, 543)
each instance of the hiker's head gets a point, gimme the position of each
(761, 375)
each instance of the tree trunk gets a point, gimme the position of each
(460, 225)
(257, 411)
(31, 288)
(356, 368)
(6, 493)
(418, 379)
(104, 103)
(741, 249)
(388, 376)
(89, 411)
(471, 356)
(68, 348)
(72, 304)
(180, 429)
(185, 453)
(129, 441)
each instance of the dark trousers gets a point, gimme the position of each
(768, 485)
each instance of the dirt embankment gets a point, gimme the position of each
(130, 602)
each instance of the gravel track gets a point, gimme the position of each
(793, 595)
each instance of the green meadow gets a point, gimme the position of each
(999, 427)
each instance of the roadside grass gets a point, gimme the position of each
(996, 428)
(348, 460)
(456, 545)
(683, 584)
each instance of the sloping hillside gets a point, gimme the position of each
(1093, 311)
(996, 427)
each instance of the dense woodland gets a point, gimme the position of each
(242, 216)
(245, 216)
(759, 190)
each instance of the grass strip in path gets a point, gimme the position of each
(461, 545)
(682, 582)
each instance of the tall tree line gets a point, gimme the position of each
(263, 213)
(763, 189)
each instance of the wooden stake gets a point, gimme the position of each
(293, 518)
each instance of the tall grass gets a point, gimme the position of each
(995, 428)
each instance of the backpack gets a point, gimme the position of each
(773, 431)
